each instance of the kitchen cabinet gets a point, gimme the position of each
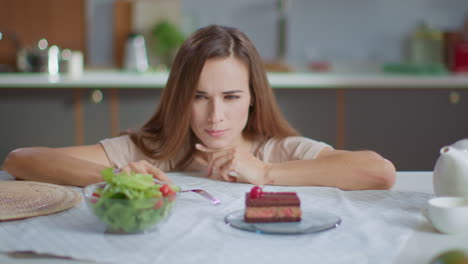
(136, 106)
(406, 126)
(311, 111)
(406, 119)
(33, 117)
(51, 117)
(96, 115)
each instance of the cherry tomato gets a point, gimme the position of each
(158, 204)
(165, 189)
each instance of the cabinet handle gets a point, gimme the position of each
(96, 96)
(454, 97)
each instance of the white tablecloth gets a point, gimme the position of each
(375, 227)
(426, 242)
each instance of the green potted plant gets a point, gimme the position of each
(168, 38)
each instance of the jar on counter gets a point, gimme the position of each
(426, 45)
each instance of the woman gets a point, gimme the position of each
(217, 114)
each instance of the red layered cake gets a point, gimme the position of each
(271, 206)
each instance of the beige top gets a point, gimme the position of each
(121, 151)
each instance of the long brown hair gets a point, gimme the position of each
(167, 133)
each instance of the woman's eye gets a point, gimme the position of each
(232, 97)
(199, 96)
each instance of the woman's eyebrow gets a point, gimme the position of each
(233, 92)
(226, 92)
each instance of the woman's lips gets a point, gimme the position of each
(216, 133)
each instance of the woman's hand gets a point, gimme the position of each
(234, 164)
(145, 167)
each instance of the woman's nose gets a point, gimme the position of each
(216, 113)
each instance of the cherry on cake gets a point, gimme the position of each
(267, 207)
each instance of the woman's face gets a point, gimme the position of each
(220, 107)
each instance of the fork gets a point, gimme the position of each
(201, 192)
(205, 194)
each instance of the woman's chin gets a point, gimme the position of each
(215, 144)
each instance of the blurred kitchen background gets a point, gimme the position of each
(318, 35)
(385, 75)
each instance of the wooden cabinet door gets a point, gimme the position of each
(35, 117)
(406, 126)
(62, 23)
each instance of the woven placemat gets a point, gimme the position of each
(23, 199)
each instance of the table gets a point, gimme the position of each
(425, 242)
(377, 227)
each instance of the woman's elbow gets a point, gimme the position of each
(382, 172)
(16, 159)
(12, 159)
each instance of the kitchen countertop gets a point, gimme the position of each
(116, 79)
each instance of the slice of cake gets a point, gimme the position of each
(271, 206)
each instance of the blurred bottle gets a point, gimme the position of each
(53, 59)
(34, 59)
(436, 46)
(418, 45)
(135, 58)
(282, 29)
(426, 45)
(460, 51)
(72, 63)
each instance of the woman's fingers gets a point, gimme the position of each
(144, 167)
(158, 174)
(215, 154)
(221, 165)
(225, 171)
(137, 167)
(126, 169)
(232, 179)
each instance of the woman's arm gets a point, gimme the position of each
(77, 166)
(347, 170)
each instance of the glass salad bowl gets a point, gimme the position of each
(130, 203)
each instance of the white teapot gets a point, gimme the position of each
(451, 170)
